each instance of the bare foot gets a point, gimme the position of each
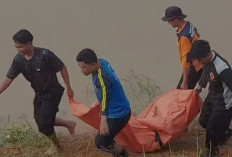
(71, 127)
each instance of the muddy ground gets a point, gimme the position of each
(83, 146)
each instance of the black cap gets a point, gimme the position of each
(173, 12)
(200, 49)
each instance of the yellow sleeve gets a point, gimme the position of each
(184, 48)
(102, 83)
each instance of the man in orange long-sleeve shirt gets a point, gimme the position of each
(186, 34)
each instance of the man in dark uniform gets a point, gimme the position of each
(39, 66)
(216, 114)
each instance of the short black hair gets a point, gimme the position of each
(23, 36)
(87, 56)
(200, 49)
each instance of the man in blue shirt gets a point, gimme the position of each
(115, 108)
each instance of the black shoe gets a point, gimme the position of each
(214, 152)
(123, 153)
(229, 134)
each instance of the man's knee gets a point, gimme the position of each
(204, 119)
(202, 122)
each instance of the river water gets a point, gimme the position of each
(128, 33)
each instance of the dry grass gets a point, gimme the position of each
(21, 140)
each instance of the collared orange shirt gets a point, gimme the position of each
(187, 34)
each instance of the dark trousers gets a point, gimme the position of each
(193, 78)
(106, 143)
(45, 109)
(216, 123)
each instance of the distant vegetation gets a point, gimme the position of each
(141, 90)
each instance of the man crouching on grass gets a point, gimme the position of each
(216, 112)
(115, 108)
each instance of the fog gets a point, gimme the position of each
(128, 33)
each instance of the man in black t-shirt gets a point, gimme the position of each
(39, 66)
(216, 112)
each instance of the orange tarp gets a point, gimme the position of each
(169, 116)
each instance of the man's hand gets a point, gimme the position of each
(6, 83)
(104, 130)
(198, 89)
(64, 74)
(184, 85)
(70, 93)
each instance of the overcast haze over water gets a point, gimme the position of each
(128, 33)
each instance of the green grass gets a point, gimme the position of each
(22, 138)
(141, 90)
